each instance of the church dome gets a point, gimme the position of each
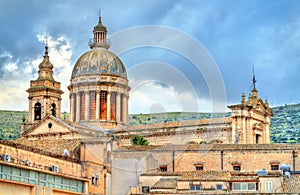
(99, 61)
(99, 88)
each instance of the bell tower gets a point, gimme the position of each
(44, 93)
(251, 119)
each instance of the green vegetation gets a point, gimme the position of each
(285, 124)
(10, 124)
(139, 141)
(142, 119)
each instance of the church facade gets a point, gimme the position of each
(91, 153)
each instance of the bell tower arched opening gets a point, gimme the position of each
(37, 111)
(53, 109)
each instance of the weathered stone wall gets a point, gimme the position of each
(213, 157)
(43, 162)
(96, 175)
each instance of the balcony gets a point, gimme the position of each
(104, 43)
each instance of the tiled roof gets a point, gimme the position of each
(209, 122)
(291, 184)
(56, 146)
(214, 175)
(210, 147)
(205, 176)
(165, 184)
(244, 178)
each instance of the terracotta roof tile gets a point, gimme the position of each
(165, 184)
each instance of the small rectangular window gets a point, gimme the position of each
(275, 167)
(219, 187)
(195, 187)
(199, 167)
(163, 168)
(251, 186)
(145, 189)
(237, 167)
(268, 185)
(243, 186)
(236, 186)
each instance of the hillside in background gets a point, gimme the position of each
(285, 124)
(10, 124)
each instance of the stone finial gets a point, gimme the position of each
(266, 103)
(243, 98)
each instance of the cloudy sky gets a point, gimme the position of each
(187, 55)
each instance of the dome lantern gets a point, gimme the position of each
(99, 39)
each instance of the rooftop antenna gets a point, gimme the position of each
(253, 78)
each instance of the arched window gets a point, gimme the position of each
(37, 111)
(113, 106)
(92, 105)
(103, 106)
(53, 109)
(82, 106)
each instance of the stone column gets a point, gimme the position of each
(243, 129)
(118, 104)
(58, 108)
(44, 108)
(31, 111)
(86, 188)
(108, 118)
(77, 106)
(125, 109)
(87, 105)
(267, 130)
(97, 105)
(233, 130)
(71, 97)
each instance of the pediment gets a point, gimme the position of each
(49, 125)
(260, 105)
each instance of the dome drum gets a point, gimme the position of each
(99, 80)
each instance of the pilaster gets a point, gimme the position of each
(108, 106)
(118, 104)
(87, 104)
(97, 105)
(77, 107)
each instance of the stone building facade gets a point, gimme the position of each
(91, 154)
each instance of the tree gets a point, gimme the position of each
(139, 141)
